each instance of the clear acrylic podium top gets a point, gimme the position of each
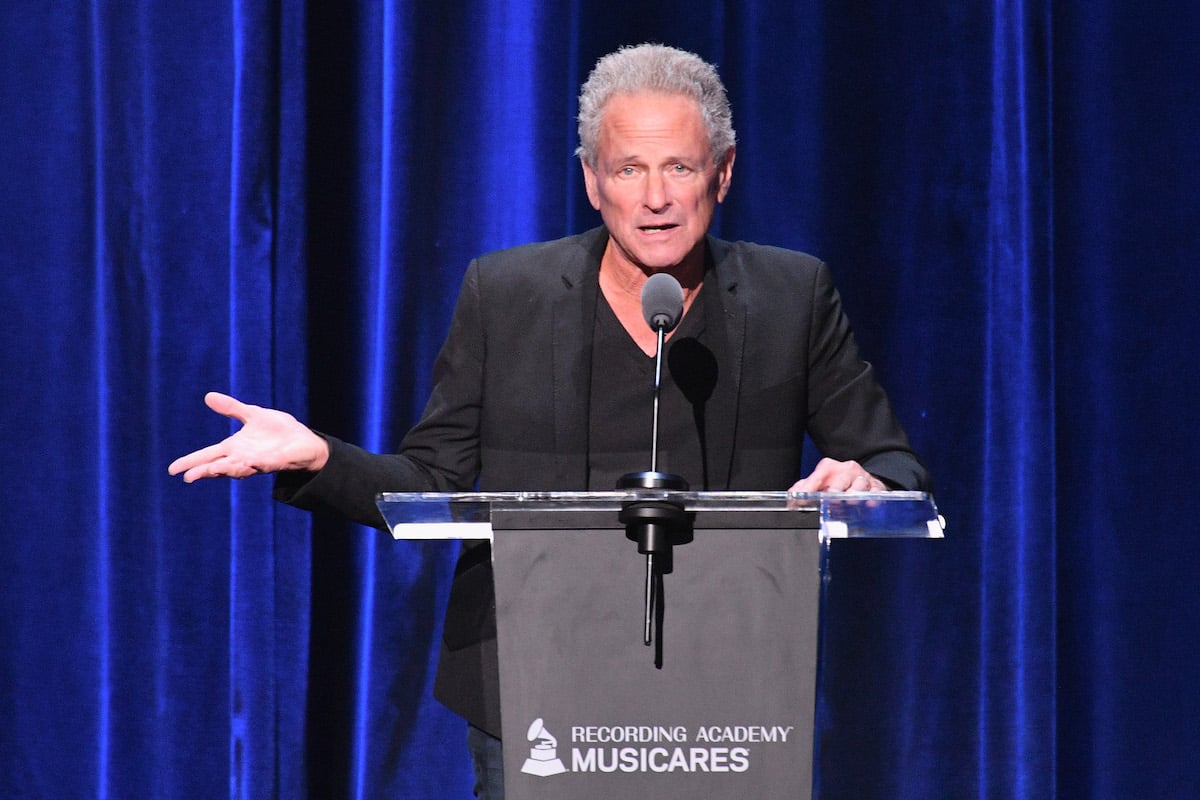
(836, 515)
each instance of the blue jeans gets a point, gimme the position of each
(487, 759)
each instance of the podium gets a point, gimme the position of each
(721, 704)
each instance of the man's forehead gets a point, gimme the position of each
(636, 123)
(649, 98)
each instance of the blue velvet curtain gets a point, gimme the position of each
(278, 200)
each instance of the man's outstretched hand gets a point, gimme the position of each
(268, 441)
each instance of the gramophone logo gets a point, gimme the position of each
(543, 758)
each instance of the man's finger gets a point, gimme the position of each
(204, 455)
(228, 406)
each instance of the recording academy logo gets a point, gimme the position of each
(654, 748)
(543, 752)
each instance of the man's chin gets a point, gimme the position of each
(660, 259)
(652, 256)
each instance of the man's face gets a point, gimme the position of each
(654, 183)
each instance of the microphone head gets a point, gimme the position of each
(662, 302)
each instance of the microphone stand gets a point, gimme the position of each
(656, 525)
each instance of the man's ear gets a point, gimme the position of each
(725, 175)
(589, 183)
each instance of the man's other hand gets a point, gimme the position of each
(839, 476)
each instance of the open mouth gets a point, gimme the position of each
(656, 228)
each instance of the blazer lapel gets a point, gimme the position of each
(726, 313)
(576, 285)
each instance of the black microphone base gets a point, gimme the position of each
(657, 526)
(652, 480)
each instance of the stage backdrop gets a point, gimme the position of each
(279, 201)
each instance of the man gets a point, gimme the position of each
(548, 359)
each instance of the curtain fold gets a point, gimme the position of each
(279, 200)
(1016, 706)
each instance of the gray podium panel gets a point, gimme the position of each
(587, 712)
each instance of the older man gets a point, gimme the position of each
(548, 359)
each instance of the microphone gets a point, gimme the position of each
(656, 525)
(662, 302)
(662, 306)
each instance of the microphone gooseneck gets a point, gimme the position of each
(656, 525)
(662, 307)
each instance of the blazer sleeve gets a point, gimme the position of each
(850, 416)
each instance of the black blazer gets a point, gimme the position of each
(509, 407)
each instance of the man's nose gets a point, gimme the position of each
(657, 197)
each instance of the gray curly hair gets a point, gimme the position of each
(655, 68)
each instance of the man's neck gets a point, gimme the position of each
(620, 275)
(621, 282)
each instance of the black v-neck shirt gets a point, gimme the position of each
(621, 407)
